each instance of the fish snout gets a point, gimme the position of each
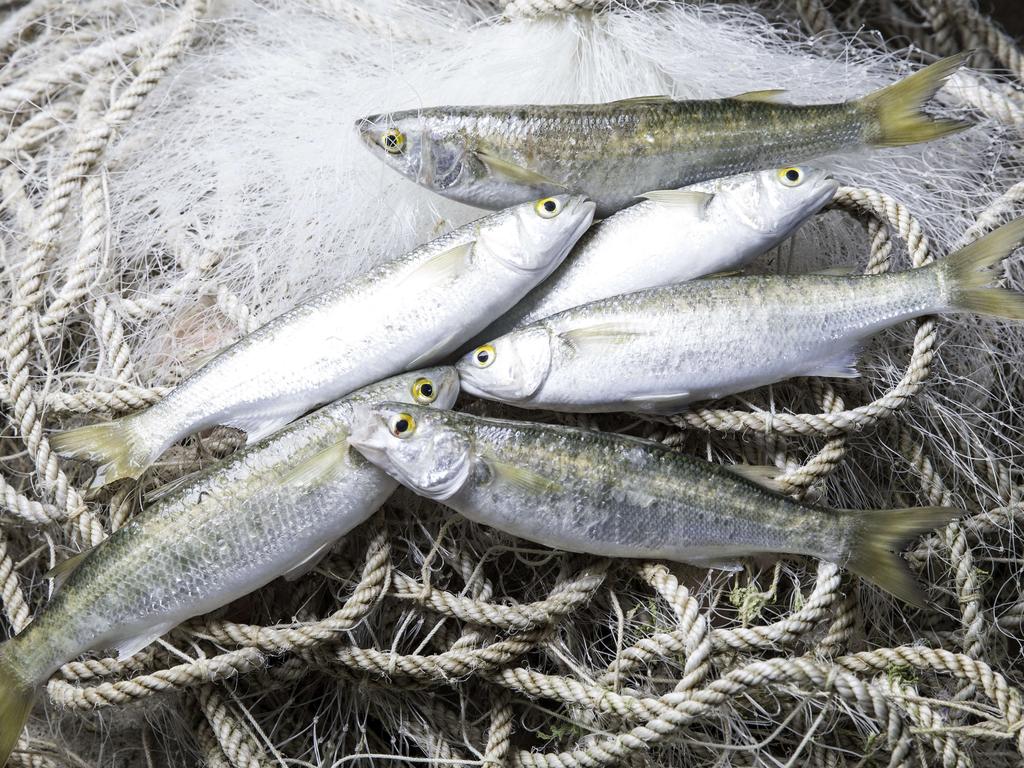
(368, 434)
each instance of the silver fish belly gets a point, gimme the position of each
(675, 236)
(661, 349)
(271, 509)
(403, 314)
(612, 495)
(492, 156)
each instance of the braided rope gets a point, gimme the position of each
(474, 666)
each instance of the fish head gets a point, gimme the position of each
(437, 387)
(511, 368)
(777, 201)
(430, 152)
(428, 455)
(535, 237)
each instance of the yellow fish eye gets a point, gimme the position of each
(402, 425)
(791, 177)
(424, 391)
(547, 208)
(393, 141)
(484, 355)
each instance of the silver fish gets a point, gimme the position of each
(660, 349)
(491, 157)
(272, 509)
(403, 314)
(677, 235)
(618, 496)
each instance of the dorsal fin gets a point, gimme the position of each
(62, 570)
(766, 96)
(639, 101)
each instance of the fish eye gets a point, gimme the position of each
(791, 177)
(547, 208)
(424, 391)
(483, 356)
(402, 425)
(393, 141)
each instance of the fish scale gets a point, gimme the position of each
(494, 156)
(215, 536)
(619, 496)
(658, 350)
(407, 312)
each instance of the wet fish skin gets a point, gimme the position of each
(403, 314)
(660, 349)
(493, 156)
(218, 535)
(699, 230)
(613, 495)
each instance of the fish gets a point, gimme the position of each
(274, 508)
(658, 350)
(677, 235)
(494, 156)
(618, 496)
(403, 314)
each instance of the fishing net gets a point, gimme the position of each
(175, 174)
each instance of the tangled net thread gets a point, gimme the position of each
(675, 659)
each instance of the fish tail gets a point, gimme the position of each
(897, 108)
(880, 534)
(966, 283)
(116, 447)
(16, 700)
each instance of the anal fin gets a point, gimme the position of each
(308, 563)
(715, 563)
(132, 645)
(841, 366)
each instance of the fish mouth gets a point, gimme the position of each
(368, 436)
(826, 191)
(449, 387)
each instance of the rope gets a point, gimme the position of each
(468, 647)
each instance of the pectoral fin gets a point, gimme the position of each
(523, 478)
(319, 469)
(513, 172)
(601, 334)
(765, 96)
(442, 267)
(680, 198)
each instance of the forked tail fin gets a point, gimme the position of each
(967, 286)
(880, 534)
(897, 108)
(115, 447)
(16, 699)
